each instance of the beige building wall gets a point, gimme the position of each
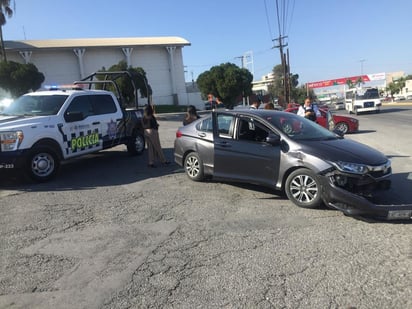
(57, 60)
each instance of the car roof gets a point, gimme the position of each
(257, 112)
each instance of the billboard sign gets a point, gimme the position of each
(343, 81)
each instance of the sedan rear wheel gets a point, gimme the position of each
(194, 167)
(342, 127)
(303, 188)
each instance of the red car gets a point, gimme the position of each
(344, 124)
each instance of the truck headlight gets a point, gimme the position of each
(353, 168)
(11, 140)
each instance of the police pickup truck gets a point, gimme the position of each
(41, 129)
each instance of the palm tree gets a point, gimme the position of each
(349, 83)
(5, 11)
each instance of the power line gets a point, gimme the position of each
(267, 20)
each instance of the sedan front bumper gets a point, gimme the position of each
(355, 205)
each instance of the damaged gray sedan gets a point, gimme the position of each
(290, 154)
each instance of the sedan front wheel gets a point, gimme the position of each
(342, 127)
(194, 167)
(303, 188)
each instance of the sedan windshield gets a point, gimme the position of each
(297, 127)
(39, 105)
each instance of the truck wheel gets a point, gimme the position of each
(303, 188)
(136, 144)
(42, 163)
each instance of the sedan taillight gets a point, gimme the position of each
(178, 134)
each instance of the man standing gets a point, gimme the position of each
(210, 103)
(309, 110)
(255, 104)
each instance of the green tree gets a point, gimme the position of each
(299, 93)
(125, 86)
(349, 83)
(277, 89)
(227, 81)
(396, 86)
(5, 11)
(19, 78)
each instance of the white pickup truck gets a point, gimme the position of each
(40, 129)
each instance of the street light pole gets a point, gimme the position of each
(361, 65)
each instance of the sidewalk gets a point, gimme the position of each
(398, 103)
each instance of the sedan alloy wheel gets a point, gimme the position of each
(342, 127)
(303, 188)
(194, 167)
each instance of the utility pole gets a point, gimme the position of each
(242, 61)
(285, 66)
(361, 66)
(246, 63)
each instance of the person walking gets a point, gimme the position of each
(191, 115)
(151, 135)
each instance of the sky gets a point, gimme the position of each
(326, 39)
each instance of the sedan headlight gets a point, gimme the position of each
(353, 168)
(10, 141)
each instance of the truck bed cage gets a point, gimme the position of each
(110, 78)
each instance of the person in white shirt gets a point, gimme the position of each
(255, 104)
(309, 110)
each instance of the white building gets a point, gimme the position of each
(262, 86)
(63, 61)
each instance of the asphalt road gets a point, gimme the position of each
(110, 232)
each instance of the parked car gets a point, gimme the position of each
(40, 130)
(400, 98)
(288, 153)
(344, 124)
(339, 105)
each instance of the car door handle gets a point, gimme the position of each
(97, 122)
(202, 134)
(223, 144)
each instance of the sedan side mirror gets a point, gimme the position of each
(338, 132)
(273, 139)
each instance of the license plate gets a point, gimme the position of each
(6, 165)
(400, 214)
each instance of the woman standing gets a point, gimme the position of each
(191, 115)
(151, 135)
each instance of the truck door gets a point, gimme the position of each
(110, 116)
(82, 128)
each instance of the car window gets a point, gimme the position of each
(225, 124)
(299, 128)
(36, 105)
(81, 104)
(252, 130)
(103, 104)
(206, 125)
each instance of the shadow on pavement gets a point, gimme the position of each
(106, 168)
